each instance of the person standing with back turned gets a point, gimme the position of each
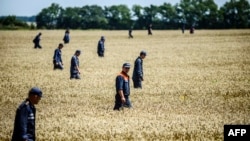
(138, 70)
(24, 125)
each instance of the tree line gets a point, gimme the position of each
(201, 14)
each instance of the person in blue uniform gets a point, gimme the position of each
(24, 125)
(130, 33)
(191, 31)
(150, 29)
(36, 41)
(100, 47)
(122, 89)
(74, 67)
(66, 37)
(57, 59)
(138, 70)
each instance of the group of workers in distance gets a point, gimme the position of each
(24, 124)
(74, 65)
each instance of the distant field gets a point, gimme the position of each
(194, 84)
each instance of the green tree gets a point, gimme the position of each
(11, 22)
(198, 13)
(188, 10)
(139, 20)
(168, 16)
(208, 14)
(119, 17)
(70, 18)
(48, 17)
(236, 14)
(93, 17)
(152, 15)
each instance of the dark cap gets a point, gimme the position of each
(126, 65)
(61, 45)
(35, 91)
(102, 38)
(78, 51)
(143, 53)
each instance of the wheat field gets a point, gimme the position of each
(193, 84)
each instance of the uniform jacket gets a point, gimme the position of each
(138, 69)
(24, 125)
(74, 63)
(58, 55)
(100, 47)
(66, 38)
(122, 83)
(36, 40)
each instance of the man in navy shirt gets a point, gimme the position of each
(100, 47)
(66, 37)
(122, 88)
(130, 33)
(74, 67)
(24, 125)
(138, 70)
(57, 59)
(36, 41)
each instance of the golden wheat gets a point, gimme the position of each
(194, 84)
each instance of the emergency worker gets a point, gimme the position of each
(150, 29)
(66, 37)
(36, 41)
(100, 47)
(191, 31)
(57, 59)
(74, 66)
(122, 89)
(24, 125)
(130, 33)
(138, 70)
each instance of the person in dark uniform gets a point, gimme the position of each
(36, 41)
(183, 28)
(24, 125)
(100, 47)
(57, 59)
(138, 70)
(130, 33)
(122, 89)
(150, 29)
(74, 67)
(66, 37)
(192, 29)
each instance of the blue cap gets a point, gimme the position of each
(78, 51)
(126, 65)
(36, 91)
